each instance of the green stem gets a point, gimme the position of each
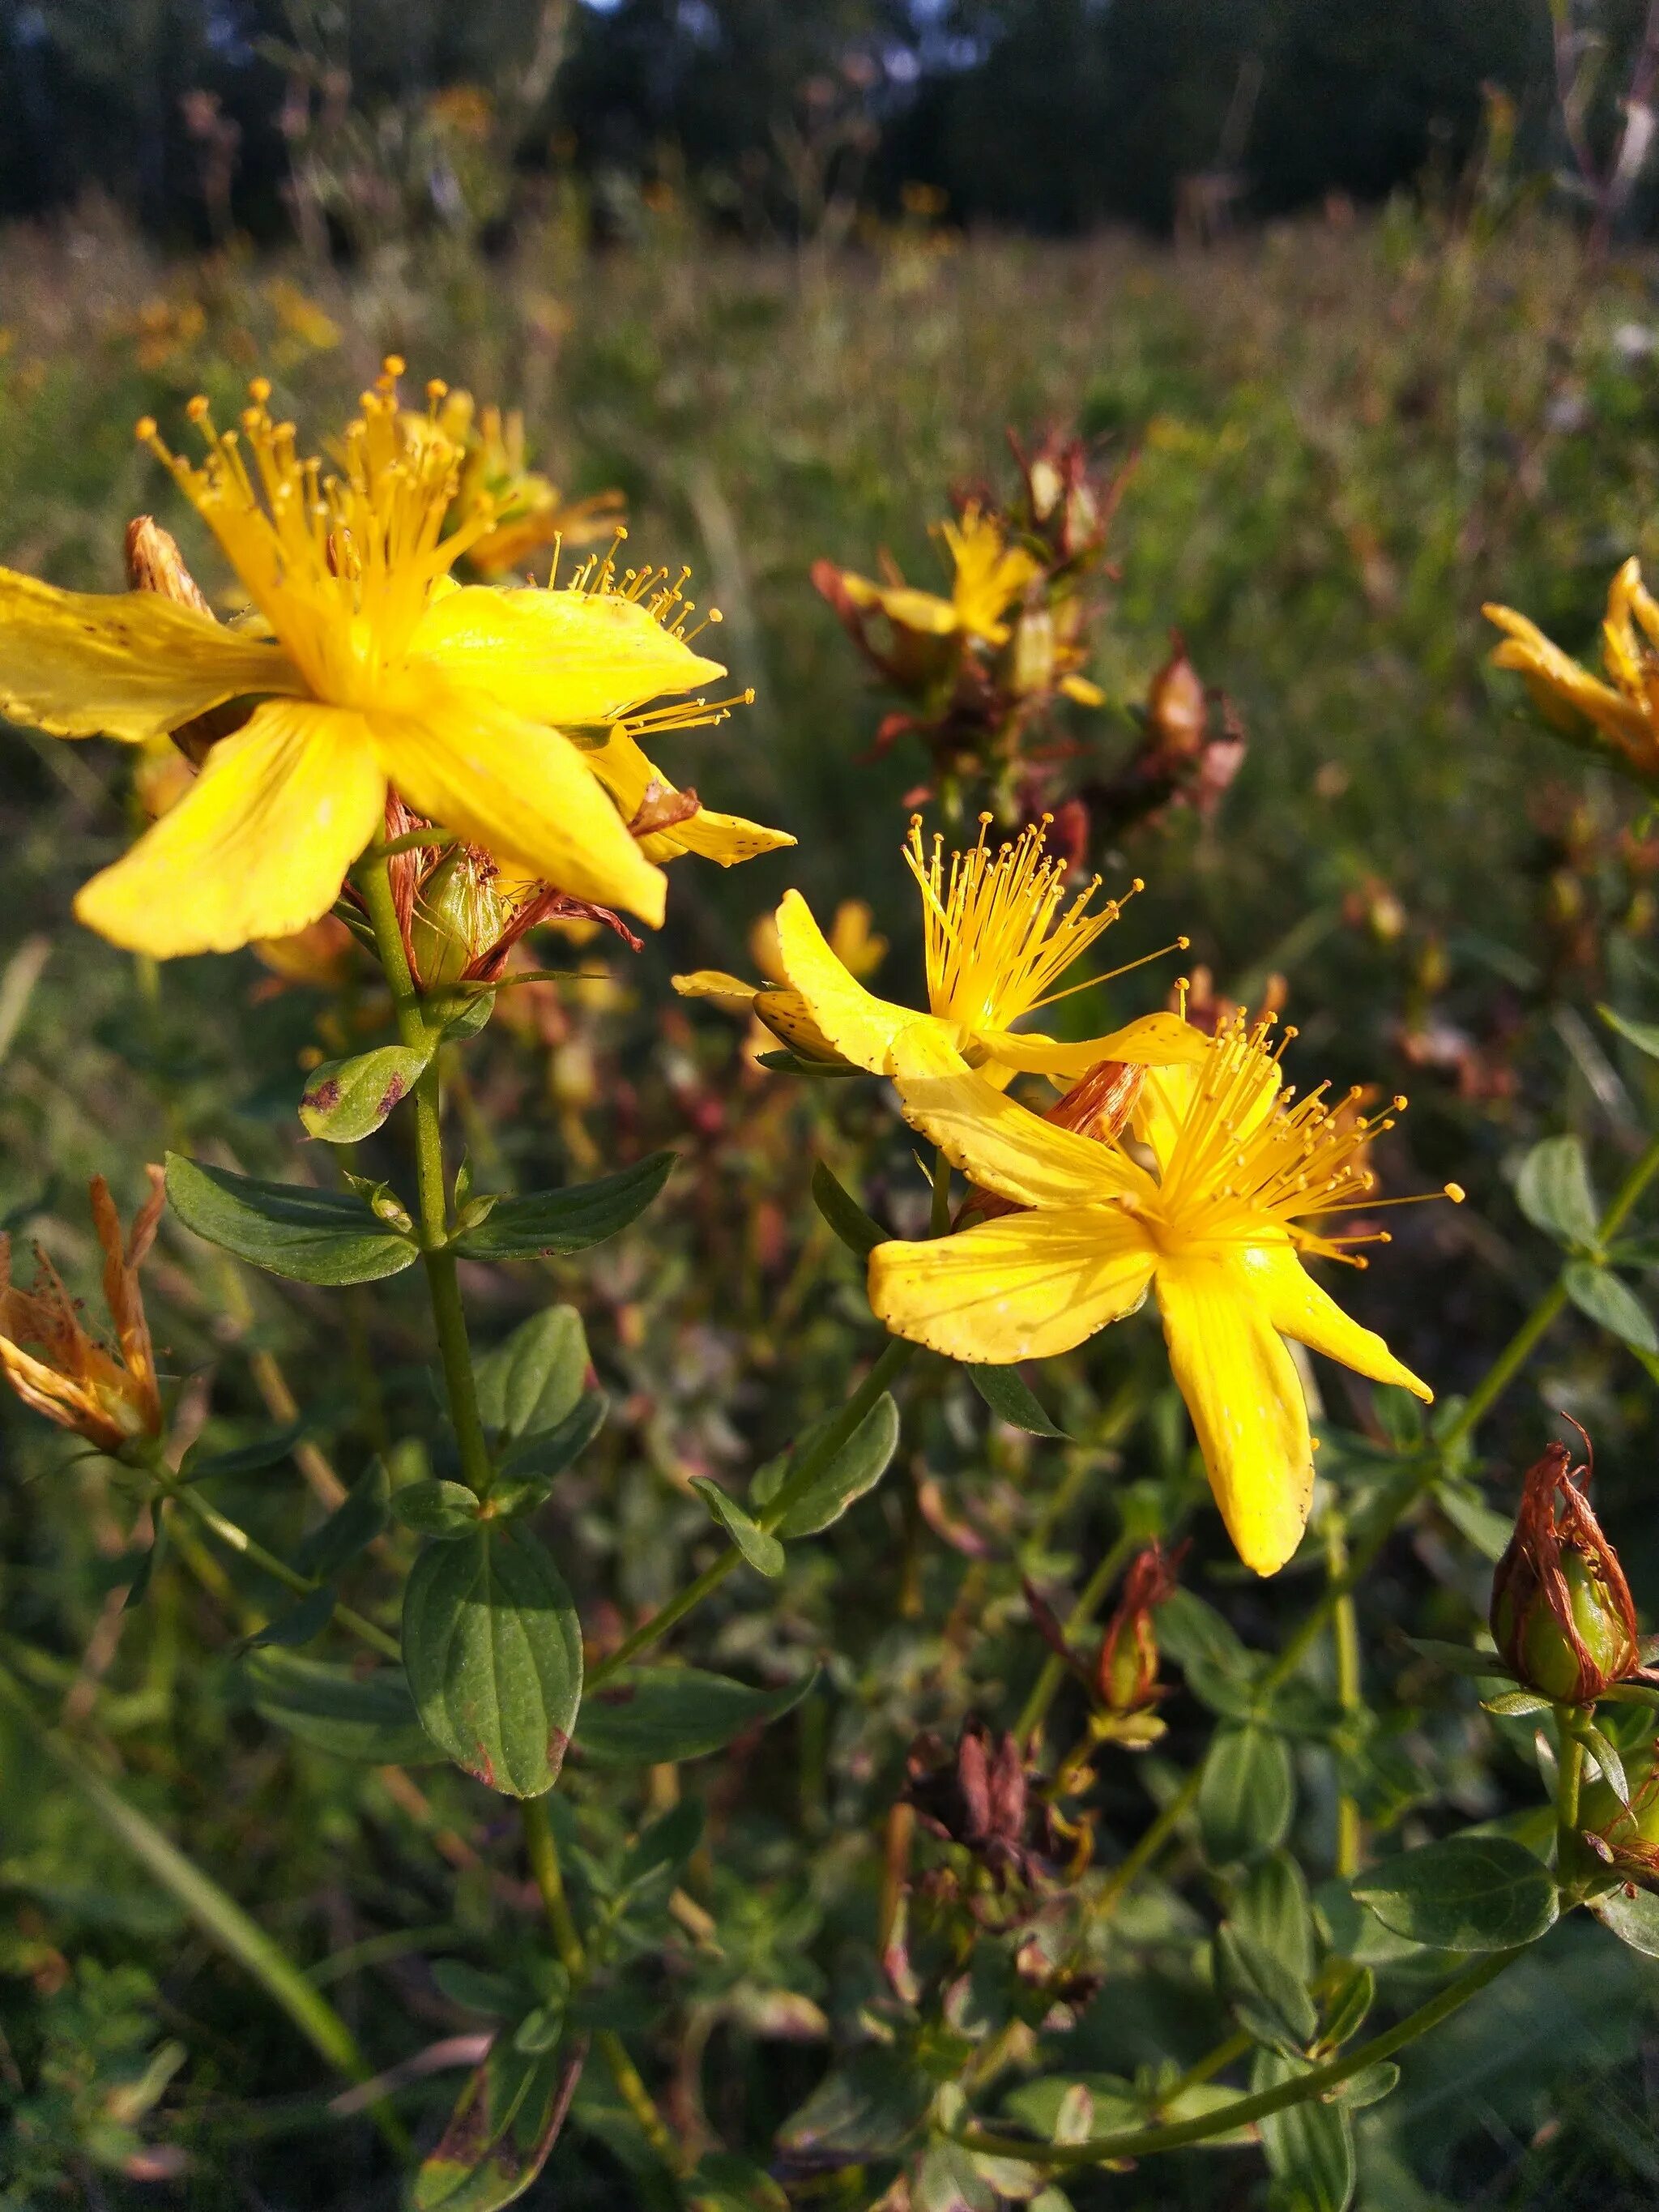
(1048, 1683)
(218, 1915)
(373, 880)
(895, 1358)
(1142, 2142)
(1569, 1779)
(235, 1537)
(1345, 1636)
(543, 1852)
(1134, 1863)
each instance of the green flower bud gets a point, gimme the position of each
(1561, 1609)
(459, 917)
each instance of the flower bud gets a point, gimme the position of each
(1126, 1672)
(1561, 1610)
(459, 917)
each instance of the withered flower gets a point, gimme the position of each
(110, 1398)
(1561, 1610)
(979, 1796)
(1122, 1679)
(1192, 747)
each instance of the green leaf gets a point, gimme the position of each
(854, 1227)
(539, 2030)
(1553, 1191)
(873, 2104)
(789, 1063)
(1308, 2146)
(1050, 2105)
(1348, 2006)
(663, 1847)
(1602, 1749)
(493, 1651)
(501, 2132)
(1462, 1658)
(1266, 1998)
(250, 1458)
(1270, 1903)
(552, 1222)
(1473, 1518)
(1633, 1920)
(764, 1553)
(659, 1715)
(474, 1012)
(1645, 1036)
(857, 1467)
(476, 1989)
(309, 1617)
(1468, 1893)
(360, 1517)
(534, 1379)
(334, 1709)
(444, 1510)
(1010, 1398)
(1611, 1304)
(347, 1099)
(548, 1452)
(1368, 2087)
(723, 2182)
(1190, 1628)
(323, 1236)
(1245, 1796)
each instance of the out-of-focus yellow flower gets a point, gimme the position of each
(855, 943)
(320, 955)
(999, 936)
(301, 318)
(1625, 712)
(110, 1399)
(525, 510)
(988, 576)
(372, 670)
(1217, 1231)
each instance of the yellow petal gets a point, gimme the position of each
(861, 1027)
(716, 983)
(627, 775)
(1560, 679)
(904, 604)
(1247, 1403)
(259, 846)
(1003, 1146)
(557, 656)
(1021, 1288)
(130, 664)
(1154, 1041)
(522, 791)
(1298, 1307)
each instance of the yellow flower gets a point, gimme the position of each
(988, 575)
(371, 669)
(1624, 711)
(525, 511)
(1217, 1232)
(781, 1010)
(109, 1398)
(998, 936)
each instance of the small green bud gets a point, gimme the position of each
(1561, 1609)
(458, 916)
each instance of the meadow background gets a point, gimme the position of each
(1350, 426)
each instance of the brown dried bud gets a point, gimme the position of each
(1126, 1673)
(155, 564)
(978, 1796)
(1097, 1105)
(1561, 1609)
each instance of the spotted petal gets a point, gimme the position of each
(128, 665)
(1154, 1041)
(1247, 1403)
(860, 1026)
(1022, 1288)
(260, 844)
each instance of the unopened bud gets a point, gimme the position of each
(1561, 1609)
(459, 917)
(1126, 1673)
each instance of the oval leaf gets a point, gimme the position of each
(854, 1227)
(1633, 1920)
(1245, 1796)
(504, 2124)
(493, 1652)
(1266, 1998)
(350, 1528)
(857, 1467)
(1308, 2146)
(764, 1553)
(368, 1717)
(1611, 1304)
(533, 1380)
(658, 1716)
(551, 1222)
(444, 1510)
(1553, 1191)
(327, 1237)
(1468, 1893)
(1010, 1398)
(347, 1099)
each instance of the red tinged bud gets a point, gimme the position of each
(1126, 1673)
(1561, 1610)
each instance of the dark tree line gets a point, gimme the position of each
(1053, 114)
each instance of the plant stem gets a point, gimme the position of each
(235, 1537)
(543, 1852)
(1345, 1636)
(1142, 2142)
(1053, 1666)
(895, 1358)
(1142, 1852)
(1569, 1778)
(373, 880)
(219, 1916)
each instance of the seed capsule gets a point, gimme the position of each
(1561, 1610)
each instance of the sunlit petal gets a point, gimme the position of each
(1298, 1307)
(1246, 1400)
(1154, 1041)
(258, 847)
(128, 665)
(1021, 1288)
(557, 656)
(860, 1025)
(627, 775)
